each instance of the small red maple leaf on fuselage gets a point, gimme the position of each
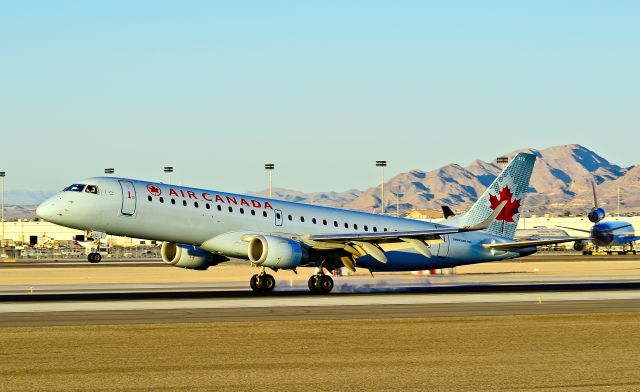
(154, 190)
(510, 209)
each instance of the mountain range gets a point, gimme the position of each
(561, 182)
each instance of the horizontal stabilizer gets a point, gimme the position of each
(447, 212)
(487, 222)
(528, 244)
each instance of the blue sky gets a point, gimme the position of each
(322, 89)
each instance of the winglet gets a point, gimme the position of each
(487, 222)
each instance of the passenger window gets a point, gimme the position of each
(385, 229)
(91, 189)
(335, 223)
(149, 198)
(207, 206)
(375, 229)
(241, 210)
(195, 204)
(253, 212)
(366, 228)
(161, 199)
(313, 220)
(302, 219)
(173, 201)
(324, 222)
(184, 203)
(355, 226)
(219, 208)
(230, 209)
(264, 213)
(346, 225)
(290, 217)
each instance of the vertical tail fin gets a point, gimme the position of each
(511, 186)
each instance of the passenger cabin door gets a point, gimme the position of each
(278, 215)
(128, 198)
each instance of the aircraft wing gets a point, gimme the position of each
(375, 244)
(528, 244)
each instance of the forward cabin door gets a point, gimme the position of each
(278, 215)
(128, 198)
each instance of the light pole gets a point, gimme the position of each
(381, 165)
(502, 161)
(168, 170)
(109, 170)
(269, 168)
(2, 174)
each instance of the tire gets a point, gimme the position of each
(312, 283)
(253, 282)
(268, 283)
(97, 258)
(325, 284)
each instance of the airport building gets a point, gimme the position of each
(41, 233)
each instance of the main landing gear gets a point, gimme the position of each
(262, 283)
(94, 257)
(265, 283)
(320, 283)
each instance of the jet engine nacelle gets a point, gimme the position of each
(188, 256)
(276, 252)
(596, 215)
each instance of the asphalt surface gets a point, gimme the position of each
(288, 313)
(472, 295)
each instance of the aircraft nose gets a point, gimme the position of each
(46, 210)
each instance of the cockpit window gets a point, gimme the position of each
(75, 188)
(91, 189)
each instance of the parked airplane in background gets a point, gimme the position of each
(604, 234)
(202, 228)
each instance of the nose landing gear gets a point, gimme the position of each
(94, 257)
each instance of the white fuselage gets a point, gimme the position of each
(179, 214)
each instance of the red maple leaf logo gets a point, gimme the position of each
(510, 209)
(154, 190)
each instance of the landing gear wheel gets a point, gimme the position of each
(94, 257)
(253, 282)
(268, 283)
(324, 284)
(313, 279)
(262, 283)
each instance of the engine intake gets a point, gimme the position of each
(276, 252)
(189, 256)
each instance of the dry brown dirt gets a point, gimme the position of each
(589, 352)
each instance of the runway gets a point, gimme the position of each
(231, 305)
(153, 295)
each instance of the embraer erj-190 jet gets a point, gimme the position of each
(201, 228)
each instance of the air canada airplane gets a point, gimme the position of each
(202, 228)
